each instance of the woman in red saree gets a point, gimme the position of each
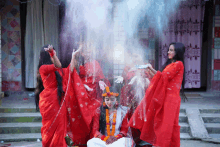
(91, 74)
(157, 116)
(49, 94)
(85, 96)
(64, 104)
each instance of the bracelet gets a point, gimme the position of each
(106, 138)
(103, 137)
(118, 136)
(95, 135)
(51, 53)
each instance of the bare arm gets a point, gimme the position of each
(151, 71)
(53, 55)
(72, 63)
(56, 61)
(73, 60)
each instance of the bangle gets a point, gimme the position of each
(51, 53)
(103, 137)
(106, 138)
(95, 135)
(118, 136)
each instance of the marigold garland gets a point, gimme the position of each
(108, 123)
(108, 93)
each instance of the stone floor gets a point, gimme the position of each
(184, 143)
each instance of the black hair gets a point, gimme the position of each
(179, 56)
(102, 119)
(80, 62)
(46, 60)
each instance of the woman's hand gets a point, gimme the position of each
(102, 85)
(119, 79)
(75, 52)
(151, 70)
(49, 48)
(111, 139)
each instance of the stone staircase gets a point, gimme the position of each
(20, 124)
(24, 124)
(211, 118)
(183, 122)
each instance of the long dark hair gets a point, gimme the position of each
(179, 56)
(102, 119)
(45, 60)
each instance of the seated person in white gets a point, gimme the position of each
(110, 123)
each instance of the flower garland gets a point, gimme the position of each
(108, 123)
(108, 93)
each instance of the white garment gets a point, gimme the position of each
(122, 142)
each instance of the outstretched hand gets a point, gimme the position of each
(102, 85)
(49, 48)
(119, 79)
(75, 52)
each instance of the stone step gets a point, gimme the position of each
(215, 136)
(17, 110)
(20, 137)
(210, 117)
(15, 128)
(202, 111)
(184, 128)
(182, 110)
(185, 136)
(35, 127)
(183, 118)
(35, 136)
(213, 128)
(20, 117)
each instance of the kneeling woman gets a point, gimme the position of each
(110, 123)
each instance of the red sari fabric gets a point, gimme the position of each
(128, 91)
(90, 74)
(79, 126)
(80, 109)
(73, 116)
(53, 116)
(128, 96)
(157, 116)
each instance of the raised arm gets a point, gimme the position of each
(53, 55)
(73, 60)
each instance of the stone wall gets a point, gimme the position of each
(11, 46)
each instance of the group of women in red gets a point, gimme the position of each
(76, 102)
